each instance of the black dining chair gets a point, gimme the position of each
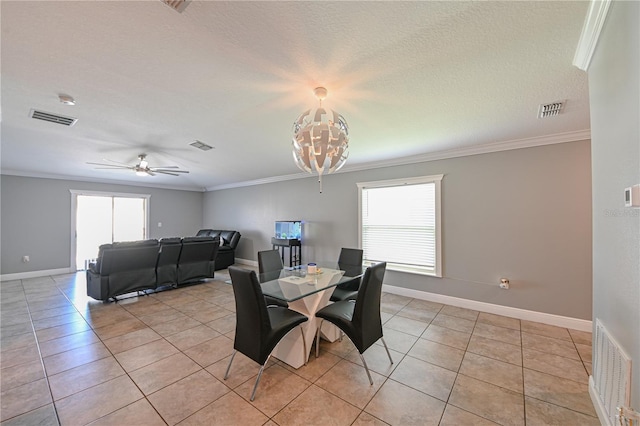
(259, 328)
(269, 267)
(360, 319)
(350, 260)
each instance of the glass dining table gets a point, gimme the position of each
(306, 293)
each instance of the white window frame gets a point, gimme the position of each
(437, 180)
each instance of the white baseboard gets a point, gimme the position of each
(248, 262)
(35, 274)
(507, 311)
(597, 404)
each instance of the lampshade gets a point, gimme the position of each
(320, 139)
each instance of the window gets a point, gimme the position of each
(100, 217)
(399, 224)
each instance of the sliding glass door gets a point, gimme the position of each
(104, 218)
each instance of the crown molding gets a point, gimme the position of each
(433, 156)
(591, 29)
(254, 182)
(579, 135)
(5, 172)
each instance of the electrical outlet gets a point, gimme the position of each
(504, 283)
(25, 259)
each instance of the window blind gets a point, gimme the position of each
(399, 225)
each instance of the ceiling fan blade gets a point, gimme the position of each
(163, 170)
(112, 166)
(140, 167)
(115, 162)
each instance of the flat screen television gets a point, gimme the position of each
(289, 229)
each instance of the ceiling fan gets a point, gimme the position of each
(142, 168)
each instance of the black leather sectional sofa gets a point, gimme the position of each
(228, 243)
(125, 267)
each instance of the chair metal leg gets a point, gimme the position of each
(366, 368)
(304, 346)
(255, 387)
(385, 346)
(318, 338)
(226, 374)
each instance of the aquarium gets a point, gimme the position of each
(289, 229)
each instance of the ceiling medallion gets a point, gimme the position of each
(320, 139)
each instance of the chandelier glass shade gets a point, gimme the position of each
(320, 139)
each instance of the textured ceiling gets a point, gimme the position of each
(411, 78)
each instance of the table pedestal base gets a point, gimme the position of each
(291, 347)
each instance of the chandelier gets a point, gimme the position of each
(320, 139)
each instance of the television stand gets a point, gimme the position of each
(295, 249)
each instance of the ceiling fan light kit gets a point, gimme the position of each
(320, 139)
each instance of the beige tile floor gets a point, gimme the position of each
(159, 359)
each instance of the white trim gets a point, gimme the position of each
(146, 184)
(578, 135)
(400, 181)
(247, 262)
(35, 274)
(438, 265)
(109, 193)
(488, 148)
(591, 30)
(507, 311)
(597, 404)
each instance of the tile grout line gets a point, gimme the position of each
(44, 370)
(119, 364)
(343, 357)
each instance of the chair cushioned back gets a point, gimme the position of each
(366, 314)
(269, 261)
(350, 260)
(349, 256)
(252, 318)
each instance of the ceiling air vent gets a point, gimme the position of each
(200, 145)
(178, 5)
(550, 110)
(53, 118)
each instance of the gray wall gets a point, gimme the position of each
(615, 113)
(522, 214)
(36, 218)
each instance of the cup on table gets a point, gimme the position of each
(312, 268)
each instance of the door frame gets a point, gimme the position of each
(74, 215)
